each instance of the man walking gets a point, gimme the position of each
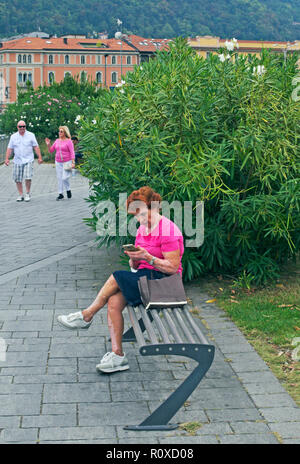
(23, 143)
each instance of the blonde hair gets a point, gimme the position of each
(66, 131)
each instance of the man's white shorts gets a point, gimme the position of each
(23, 171)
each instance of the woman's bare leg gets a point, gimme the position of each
(115, 306)
(109, 288)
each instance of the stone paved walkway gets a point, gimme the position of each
(49, 389)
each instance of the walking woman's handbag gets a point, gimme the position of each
(167, 292)
(67, 165)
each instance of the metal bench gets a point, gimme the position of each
(169, 332)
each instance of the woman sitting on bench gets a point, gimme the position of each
(160, 248)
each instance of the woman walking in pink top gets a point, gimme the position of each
(64, 160)
(159, 244)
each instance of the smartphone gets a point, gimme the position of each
(129, 247)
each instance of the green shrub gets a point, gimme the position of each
(205, 129)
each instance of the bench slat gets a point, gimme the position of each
(194, 326)
(136, 327)
(182, 324)
(148, 325)
(160, 326)
(172, 326)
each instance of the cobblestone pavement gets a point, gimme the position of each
(50, 391)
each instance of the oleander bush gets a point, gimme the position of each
(46, 108)
(224, 130)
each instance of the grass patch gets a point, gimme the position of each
(269, 318)
(190, 427)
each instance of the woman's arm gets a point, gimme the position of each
(48, 143)
(169, 264)
(71, 149)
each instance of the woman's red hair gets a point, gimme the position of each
(146, 195)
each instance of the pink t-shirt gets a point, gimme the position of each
(64, 150)
(166, 236)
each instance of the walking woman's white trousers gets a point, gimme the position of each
(63, 177)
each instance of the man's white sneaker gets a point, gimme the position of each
(27, 197)
(112, 362)
(20, 198)
(74, 321)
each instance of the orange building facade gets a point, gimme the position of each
(42, 61)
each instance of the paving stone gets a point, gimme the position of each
(248, 439)
(18, 435)
(287, 429)
(250, 427)
(233, 415)
(108, 414)
(9, 422)
(281, 414)
(42, 421)
(273, 400)
(63, 434)
(19, 405)
(75, 393)
(205, 440)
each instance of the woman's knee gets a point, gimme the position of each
(116, 303)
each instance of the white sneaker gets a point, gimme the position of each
(74, 321)
(20, 198)
(112, 362)
(27, 197)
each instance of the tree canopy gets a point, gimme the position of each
(244, 19)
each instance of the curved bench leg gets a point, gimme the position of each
(204, 355)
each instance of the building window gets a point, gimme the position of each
(113, 60)
(29, 59)
(114, 77)
(128, 60)
(82, 59)
(23, 78)
(67, 74)
(67, 59)
(99, 77)
(24, 59)
(83, 76)
(99, 60)
(19, 58)
(51, 76)
(50, 59)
